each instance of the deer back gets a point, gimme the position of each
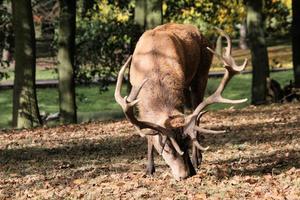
(169, 56)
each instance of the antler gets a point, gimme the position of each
(231, 69)
(128, 103)
(226, 58)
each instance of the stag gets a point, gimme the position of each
(168, 61)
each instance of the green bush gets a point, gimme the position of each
(103, 42)
(278, 19)
(226, 14)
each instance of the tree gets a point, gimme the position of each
(25, 108)
(148, 13)
(259, 53)
(66, 68)
(296, 41)
(103, 41)
(206, 14)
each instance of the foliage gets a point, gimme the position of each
(5, 23)
(103, 42)
(278, 18)
(5, 35)
(3, 73)
(206, 14)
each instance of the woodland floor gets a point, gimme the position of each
(259, 158)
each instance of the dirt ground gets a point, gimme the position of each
(258, 158)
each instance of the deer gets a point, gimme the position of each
(168, 61)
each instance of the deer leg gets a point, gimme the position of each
(187, 99)
(195, 156)
(150, 156)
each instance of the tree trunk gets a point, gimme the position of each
(147, 15)
(25, 109)
(66, 68)
(219, 45)
(259, 53)
(243, 36)
(296, 41)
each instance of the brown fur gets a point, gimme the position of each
(174, 59)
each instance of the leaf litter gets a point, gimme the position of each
(258, 158)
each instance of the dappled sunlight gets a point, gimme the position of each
(259, 151)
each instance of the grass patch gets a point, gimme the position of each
(41, 74)
(240, 87)
(90, 102)
(101, 106)
(5, 108)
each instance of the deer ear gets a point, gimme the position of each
(175, 121)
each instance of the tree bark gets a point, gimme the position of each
(25, 108)
(66, 68)
(243, 36)
(296, 41)
(259, 53)
(147, 15)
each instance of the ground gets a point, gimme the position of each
(258, 157)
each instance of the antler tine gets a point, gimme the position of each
(196, 143)
(146, 133)
(203, 130)
(127, 105)
(228, 51)
(226, 58)
(200, 115)
(228, 61)
(118, 96)
(175, 145)
(135, 91)
(231, 69)
(216, 97)
(229, 44)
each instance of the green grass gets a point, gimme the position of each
(5, 108)
(41, 74)
(240, 87)
(102, 106)
(91, 104)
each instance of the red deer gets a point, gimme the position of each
(167, 61)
